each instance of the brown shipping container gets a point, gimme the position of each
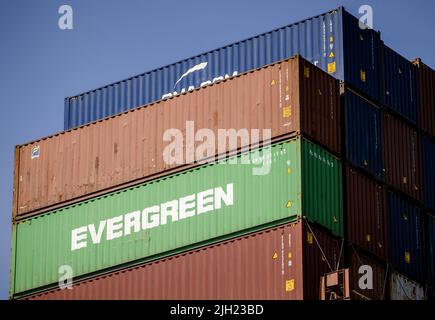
(289, 97)
(402, 156)
(360, 280)
(284, 262)
(426, 91)
(366, 213)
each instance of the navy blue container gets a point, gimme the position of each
(405, 237)
(363, 127)
(428, 165)
(400, 84)
(333, 41)
(430, 249)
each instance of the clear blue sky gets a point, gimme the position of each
(111, 40)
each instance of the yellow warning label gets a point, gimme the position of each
(331, 55)
(286, 88)
(275, 256)
(289, 285)
(309, 237)
(289, 204)
(306, 72)
(368, 237)
(331, 67)
(287, 112)
(362, 75)
(289, 255)
(331, 39)
(404, 180)
(407, 257)
(273, 83)
(289, 170)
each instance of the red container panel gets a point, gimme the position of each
(402, 156)
(279, 263)
(366, 213)
(291, 97)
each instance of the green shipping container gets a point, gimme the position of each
(178, 212)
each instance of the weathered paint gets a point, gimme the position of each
(288, 259)
(333, 41)
(403, 288)
(304, 180)
(288, 98)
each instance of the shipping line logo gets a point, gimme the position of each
(201, 146)
(199, 67)
(123, 225)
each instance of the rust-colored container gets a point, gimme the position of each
(402, 156)
(368, 278)
(279, 263)
(289, 97)
(426, 85)
(366, 213)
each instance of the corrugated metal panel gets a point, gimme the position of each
(405, 236)
(319, 39)
(366, 213)
(400, 84)
(289, 267)
(428, 170)
(240, 200)
(362, 286)
(321, 254)
(363, 125)
(321, 188)
(430, 249)
(361, 53)
(426, 98)
(403, 288)
(290, 97)
(402, 156)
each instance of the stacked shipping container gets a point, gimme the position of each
(123, 206)
(289, 98)
(333, 41)
(287, 257)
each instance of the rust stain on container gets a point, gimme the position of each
(279, 263)
(366, 212)
(426, 85)
(368, 278)
(289, 97)
(402, 156)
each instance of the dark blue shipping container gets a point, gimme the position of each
(363, 126)
(428, 164)
(405, 237)
(333, 41)
(400, 84)
(430, 249)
